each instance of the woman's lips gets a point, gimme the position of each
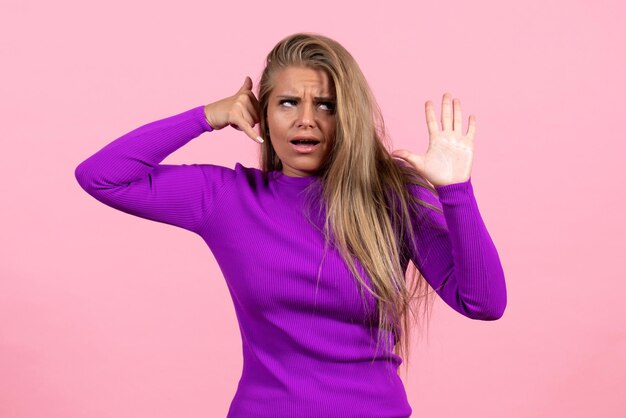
(304, 148)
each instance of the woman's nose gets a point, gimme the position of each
(306, 116)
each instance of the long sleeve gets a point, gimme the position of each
(456, 254)
(127, 176)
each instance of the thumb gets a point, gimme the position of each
(417, 161)
(247, 84)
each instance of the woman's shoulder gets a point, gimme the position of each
(239, 174)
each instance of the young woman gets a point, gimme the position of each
(316, 246)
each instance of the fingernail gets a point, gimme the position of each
(260, 139)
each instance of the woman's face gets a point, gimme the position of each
(301, 106)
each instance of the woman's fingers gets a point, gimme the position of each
(446, 112)
(246, 96)
(241, 111)
(431, 120)
(248, 116)
(471, 130)
(251, 116)
(252, 133)
(247, 89)
(247, 85)
(255, 106)
(458, 118)
(252, 110)
(245, 126)
(451, 117)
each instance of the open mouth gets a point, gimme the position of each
(304, 145)
(304, 141)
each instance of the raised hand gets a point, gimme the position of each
(241, 111)
(449, 156)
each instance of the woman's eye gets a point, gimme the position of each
(328, 105)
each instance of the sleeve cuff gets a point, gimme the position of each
(455, 193)
(202, 117)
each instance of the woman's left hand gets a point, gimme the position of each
(449, 156)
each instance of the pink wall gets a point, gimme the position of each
(107, 315)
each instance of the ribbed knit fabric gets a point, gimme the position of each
(308, 351)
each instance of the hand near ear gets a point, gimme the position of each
(241, 111)
(449, 156)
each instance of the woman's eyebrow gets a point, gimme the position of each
(317, 98)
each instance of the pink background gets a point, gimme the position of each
(107, 315)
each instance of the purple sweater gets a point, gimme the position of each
(307, 346)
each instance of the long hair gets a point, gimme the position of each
(364, 190)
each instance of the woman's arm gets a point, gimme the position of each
(453, 250)
(456, 255)
(127, 176)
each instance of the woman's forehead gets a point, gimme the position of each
(296, 81)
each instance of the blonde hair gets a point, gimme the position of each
(368, 206)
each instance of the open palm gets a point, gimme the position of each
(449, 156)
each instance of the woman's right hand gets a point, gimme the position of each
(241, 111)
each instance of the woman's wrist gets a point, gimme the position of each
(206, 117)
